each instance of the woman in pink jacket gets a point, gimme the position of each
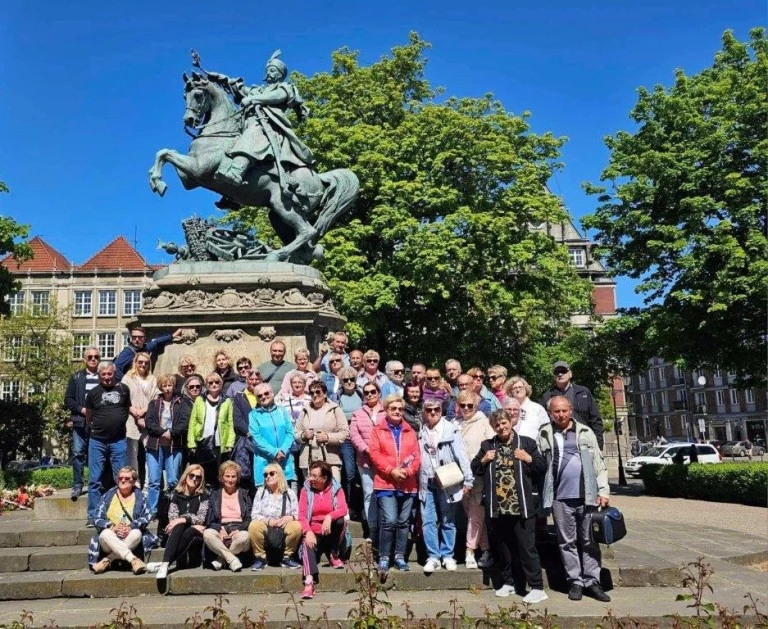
(363, 421)
(394, 452)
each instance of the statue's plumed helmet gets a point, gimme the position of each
(274, 62)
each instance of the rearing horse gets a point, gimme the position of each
(325, 196)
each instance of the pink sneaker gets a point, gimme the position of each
(336, 563)
(309, 591)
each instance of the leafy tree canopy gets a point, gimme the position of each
(438, 258)
(12, 240)
(683, 209)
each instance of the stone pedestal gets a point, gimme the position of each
(239, 306)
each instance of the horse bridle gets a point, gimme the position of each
(197, 112)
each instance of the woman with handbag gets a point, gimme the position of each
(271, 429)
(274, 520)
(445, 478)
(187, 513)
(229, 515)
(321, 429)
(211, 434)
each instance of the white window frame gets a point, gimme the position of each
(78, 349)
(643, 400)
(12, 348)
(105, 341)
(10, 389)
(665, 398)
(41, 302)
(720, 397)
(749, 396)
(654, 400)
(734, 394)
(16, 302)
(667, 424)
(700, 398)
(578, 257)
(135, 307)
(652, 375)
(82, 303)
(716, 373)
(107, 303)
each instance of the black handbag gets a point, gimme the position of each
(205, 450)
(606, 526)
(274, 539)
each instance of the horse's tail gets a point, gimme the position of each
(339, 197)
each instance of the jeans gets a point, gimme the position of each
(394, 519)
(370, 504)
(438, 521)
(349, 463)
(98, 453)
(163, 458)
(79, 452)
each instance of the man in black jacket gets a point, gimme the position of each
(74, 399)
(581, 399)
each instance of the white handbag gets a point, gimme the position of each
(449, 475)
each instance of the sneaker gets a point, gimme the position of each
(505, 590)
(470, 560)
(596, 592)
(101, 567)
(162, 571)
(258, 564)
(575, 592)
(401, 564)
(431, 565)
(308, 591)
(137, 566)
(449, 563)
(336, 563)
(235, 565)
(75, 493)
(90, 524)
(486, 560)
(383, 565)
(290, 562)
(154, 566)
(535, 596)
(216, 564)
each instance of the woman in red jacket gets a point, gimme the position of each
(394, 453)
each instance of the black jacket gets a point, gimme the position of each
(241, 409)
(214, 510)
(179, 421)
(523, 474)
(584, 408)
(74, 398)
(187, 505)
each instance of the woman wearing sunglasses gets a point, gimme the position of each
(143, 387)
(360, 430)
(187, 512)
(274, 526)
(271, 429)
(350, 401)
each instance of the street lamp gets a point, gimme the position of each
(617, 428)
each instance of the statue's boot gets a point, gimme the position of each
(234, 174)
(225, 203)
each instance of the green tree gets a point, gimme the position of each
(439, 257)
(12, 240)
(683, 210)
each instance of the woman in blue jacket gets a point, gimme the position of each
(272, 433)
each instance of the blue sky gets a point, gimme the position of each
(93, 89)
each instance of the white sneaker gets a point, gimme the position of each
(431, 565)
(162, 571)
(449, 563)
(535, 596)
(470, 560)
(153, 566)
(235, 565)
(505, 590)
(216, 564)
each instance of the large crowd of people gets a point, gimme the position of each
(267, 465)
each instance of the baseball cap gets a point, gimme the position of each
(561, 364)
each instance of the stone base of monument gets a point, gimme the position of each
(241, 306)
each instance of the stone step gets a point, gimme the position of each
(59, 506)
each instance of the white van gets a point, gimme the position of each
(663, 455)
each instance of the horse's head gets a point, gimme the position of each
(197, 94)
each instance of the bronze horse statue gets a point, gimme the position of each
(300, 213)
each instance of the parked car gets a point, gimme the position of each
(28, 466)
(741, 448)
(663, 455)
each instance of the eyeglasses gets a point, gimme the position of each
(370, 392)
(210, 383)
(398, 372)
(316, 392)
(188, 366)
(348, 380)
(195, 477)
(479, 376)
(125, 479)
(560, 372)
(269, 474)
(395, 409)
(142, 362)
(495, 376)
(433, 409)
(335, 360)
(92, 357)
(242, 367)
(433, 378)
(263, 395)
(194, 386)
(518, 388)
(467, 405)
(138, 337)
(372, 360)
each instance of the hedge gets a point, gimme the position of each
(744, 483)
(56, 477)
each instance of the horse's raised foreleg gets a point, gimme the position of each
(187, 168)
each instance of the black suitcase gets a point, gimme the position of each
(607, 526)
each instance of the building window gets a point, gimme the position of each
(126, 340)
(717, 373)
(12, 349)
(654, 399)
(106, 345)
(40, 302)
(107, 303)
(749, 395)
(131, 302)
(643, 401)
(10, 390)
(578, 259)
(734, 396)
(81, 342)
(83, 303)
(652, 375)
(701, 399)
(641, 381)
(16, 302)
(665, 398)
(720, 397)
(667, 424)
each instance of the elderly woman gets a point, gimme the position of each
(480, 389)
(331, 377)
(350, 401)
(229, 515)
(474, 429)
(296, 399)
(363, 421)
(211, 434)
(532, 415)
(186, 368)
(507, 462)
(321, 429)
(121, 526)
(394, 453)
(303, 368)
(435, 389)
(272, 433)
(370, 372)
(412, 412)
(187, 513)
(275, 508)
(441, 444)
(165, 440)
(497, 377)
(322, 515)
(143, 387)
(223, 364)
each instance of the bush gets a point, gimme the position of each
(56, 477)
(744, 483)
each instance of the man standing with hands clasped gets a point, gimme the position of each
(575, 484)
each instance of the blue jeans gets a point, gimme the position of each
(349, 463)
(79, 452)
(98, 453)
(370, 506)
(394, 519)
(163, 458)
(438, 522)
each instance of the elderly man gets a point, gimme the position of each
(452, 373)
(419, 373)
(575, 484)
(274, 370)
(356, 360)
(138, 343)
(581, 399)
(395, 371)
(107, 406)
(338, 345)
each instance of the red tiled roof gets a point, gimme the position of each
(46, 258)
(117, 255)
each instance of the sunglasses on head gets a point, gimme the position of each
(348, 380)
(195, 476)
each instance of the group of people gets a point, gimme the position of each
(273, 456)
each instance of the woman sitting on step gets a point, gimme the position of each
(121, 524)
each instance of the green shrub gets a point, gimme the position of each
(744, 483)
(56, 477)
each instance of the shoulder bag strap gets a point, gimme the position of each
(272, 375)
(122, 506)
(285, 503)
